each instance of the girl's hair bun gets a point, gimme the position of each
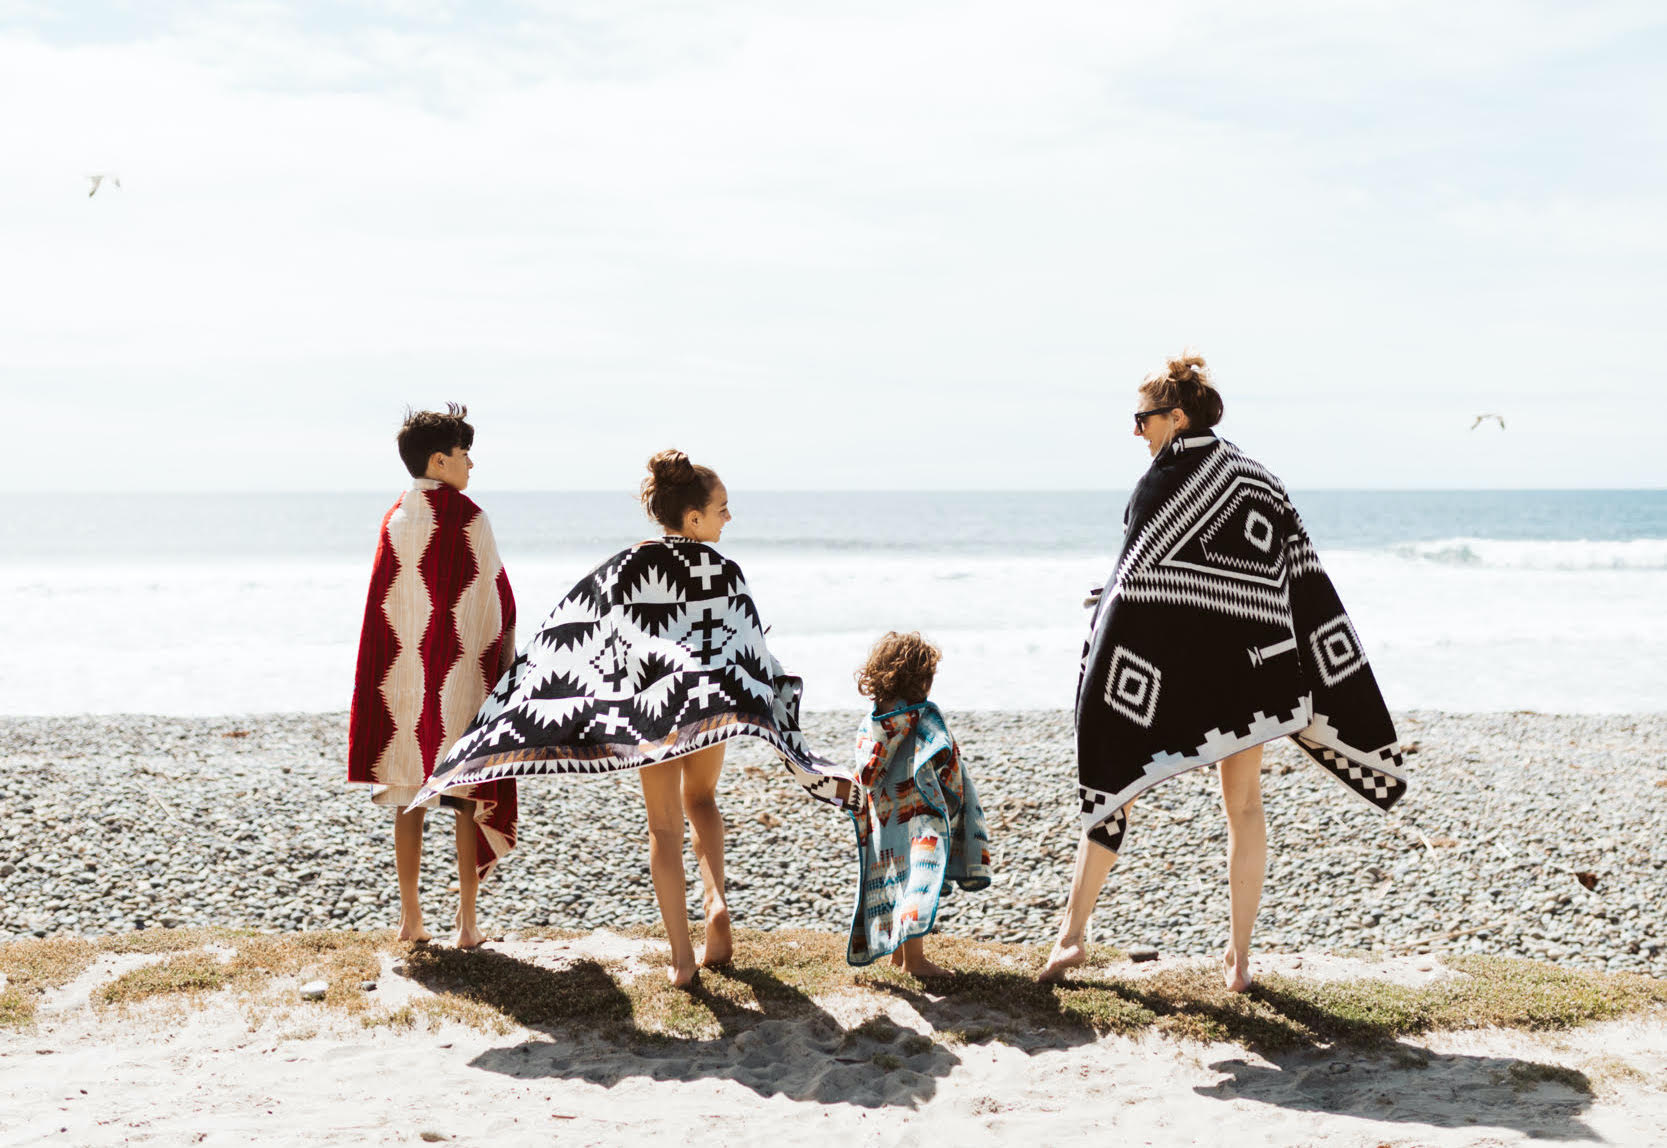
(672, 467)
(674, 487)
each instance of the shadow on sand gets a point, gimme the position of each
(771, 1037)
(774, 1039)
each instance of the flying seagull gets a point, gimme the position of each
(100, 178)
(1480, 419)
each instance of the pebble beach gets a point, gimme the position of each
(1524, 834)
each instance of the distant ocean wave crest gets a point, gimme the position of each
(1497, 554)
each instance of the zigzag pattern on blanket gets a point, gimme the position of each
(658, 652)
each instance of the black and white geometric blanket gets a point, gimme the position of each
(656, 653)
(1220, 631)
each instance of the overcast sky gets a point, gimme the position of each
(854, 245)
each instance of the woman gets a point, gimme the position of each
(1218, 632)
(652, 662)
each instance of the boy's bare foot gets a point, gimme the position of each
(720, 943)
(468, 937)
(1237, 976)
(924, 969)
(1064, 956)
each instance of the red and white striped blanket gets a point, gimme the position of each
(439, 629)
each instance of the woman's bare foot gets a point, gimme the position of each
(1236, 975)
(1064, 956)
(720, 943)
(468, 936)
(924, 969)
(682, 976)
(897, 958)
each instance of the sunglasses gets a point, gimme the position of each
(1140, 417)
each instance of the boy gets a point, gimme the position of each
(439, 631)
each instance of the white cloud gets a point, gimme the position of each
(754, 226)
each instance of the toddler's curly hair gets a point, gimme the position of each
(899, 670)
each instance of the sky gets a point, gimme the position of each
(901, 245)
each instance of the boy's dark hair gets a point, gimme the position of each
(425, 432)
(899, 670)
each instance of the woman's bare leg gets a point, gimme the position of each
(1247, 857)
(468, 882)
(661, 785)
(408, 863)
(1071, 949)
(700, 804)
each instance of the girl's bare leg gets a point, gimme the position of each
(1071, 949)
(915, 962)
(700, 804)
(1247, 858)
(468, 882)
(408, 863)
(661, 785)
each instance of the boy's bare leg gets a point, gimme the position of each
(1089, 874)
(700, 804)
(1247, 858)
(662, 797)
(915, 962)
(408, 862)
(468, 882)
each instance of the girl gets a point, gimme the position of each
(652, 662)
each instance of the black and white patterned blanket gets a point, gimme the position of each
(656, 653)
(1218, 632)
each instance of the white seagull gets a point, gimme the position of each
(1480, 419)
(100, 178)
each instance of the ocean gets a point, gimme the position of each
(1466, 601)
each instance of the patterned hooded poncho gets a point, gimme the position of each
(1218, 632)
(656, 653)
(920, 827)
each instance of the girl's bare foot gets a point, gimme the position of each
(1236, 975)
(468, 936)
(682, 976)
(924, 968)
(1065, 955)
(720, 944)
(897, 958)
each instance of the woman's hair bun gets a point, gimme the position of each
(1185, 382)
(1188, 367)
(675, 486)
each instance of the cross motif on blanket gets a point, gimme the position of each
(702, 694)
(613, 720)
(708, 625)
(706, 571)
(615, 659)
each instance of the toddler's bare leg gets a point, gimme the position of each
(662, 797)
(915, 962)
(468, 882)
(700, 803)
(408, 861)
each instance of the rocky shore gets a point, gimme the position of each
(1524, 834)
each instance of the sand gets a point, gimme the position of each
(202, 1076)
